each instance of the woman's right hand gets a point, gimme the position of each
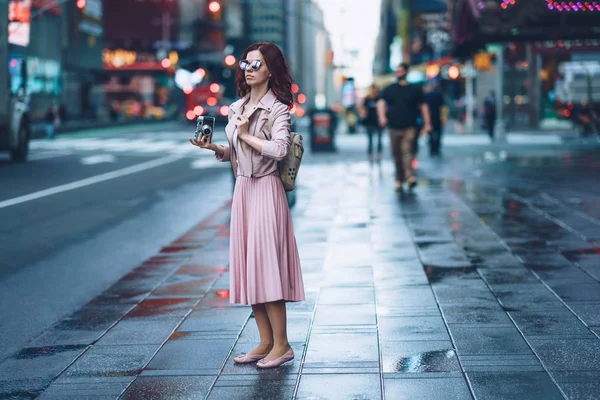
(202, 142)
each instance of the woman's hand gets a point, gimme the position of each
(202, 142)
(242, 123)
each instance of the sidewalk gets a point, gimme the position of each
(458, 292)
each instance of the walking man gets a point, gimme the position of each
(435, 102)
(398, 108)
(489, 114)
(368, 113)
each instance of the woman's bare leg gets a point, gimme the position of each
(264, 329)
(278, 319)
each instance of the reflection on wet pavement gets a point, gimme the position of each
(433, 361)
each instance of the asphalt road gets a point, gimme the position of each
(86, 209)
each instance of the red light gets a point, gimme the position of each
(212, 101)
(201, 72)
(190, 115)
(224, 110)
(567, 113)
(187, 90)
(214, 87)
(198, 110)
(81, 4)
(415, 163)
(570, 105)
(214, 6)
(454, 214)
(301, 98)
(223, 293)
(295, 88)
(230, 60)
(300, 112)
(166, 63)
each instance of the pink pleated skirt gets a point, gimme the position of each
(264, 264)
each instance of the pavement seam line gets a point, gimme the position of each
(560, 203)
(440, 310)
(91, 180)
(509, 250)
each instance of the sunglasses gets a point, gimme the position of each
(246, 65)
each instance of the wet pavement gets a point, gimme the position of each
(484, 283)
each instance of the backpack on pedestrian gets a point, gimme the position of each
(290, 164)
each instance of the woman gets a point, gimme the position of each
(264, 265)
(368, 111)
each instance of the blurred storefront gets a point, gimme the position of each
(35, 52)
(142, 49)
(534, 55)
(83, 73)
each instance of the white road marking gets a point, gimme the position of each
(208, 163)
(47, 154)
(98, 159)
(148, 145)
(91, 180)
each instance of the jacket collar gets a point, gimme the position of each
(266, 103)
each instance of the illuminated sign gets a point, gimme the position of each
(119, 58)
(19, 22)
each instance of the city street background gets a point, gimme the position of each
(481, 283)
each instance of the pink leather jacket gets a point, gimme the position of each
(250, 163)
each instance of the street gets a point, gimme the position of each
(484, 283)
(82, 240)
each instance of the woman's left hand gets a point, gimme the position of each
(242, 124)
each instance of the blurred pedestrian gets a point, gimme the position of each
(264, 264)
(586, 118)
(489, 114)
(62, 113)
(368, 113)
(50, 122)
(398, 108)
(435, 102)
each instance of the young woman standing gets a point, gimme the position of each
(264, 263)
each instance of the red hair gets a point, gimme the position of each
(281, 78)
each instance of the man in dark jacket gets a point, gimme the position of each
(398, 108)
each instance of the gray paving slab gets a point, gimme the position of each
(168, 387)
(340, 386)
(101, 361)
(444, 386)
(507, 385)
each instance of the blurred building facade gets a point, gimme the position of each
(544, 57)
(532, 54)
(310, 54)
(120, 59)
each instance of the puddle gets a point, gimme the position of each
(431, 361)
